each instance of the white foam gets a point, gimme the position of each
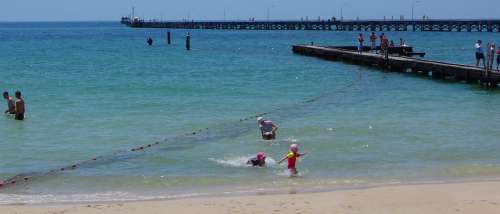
(78, 198)
(287, 173)
(289, 140)
(241, 161)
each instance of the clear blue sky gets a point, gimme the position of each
(90, 10)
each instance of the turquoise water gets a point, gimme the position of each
(95, 89)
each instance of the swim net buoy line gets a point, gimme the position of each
(27, 177)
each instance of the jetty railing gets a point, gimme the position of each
(442, 25)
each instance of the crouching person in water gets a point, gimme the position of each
(267, 128)
(292, 156)
(259, 160)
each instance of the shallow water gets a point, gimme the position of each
(93, 89)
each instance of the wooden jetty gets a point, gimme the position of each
(444, 25)
(402, 51)
(434, 69)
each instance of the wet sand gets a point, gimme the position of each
(479, 197)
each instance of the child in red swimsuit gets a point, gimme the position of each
(292, 156)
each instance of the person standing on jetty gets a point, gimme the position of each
(360, 43)
(382, 37)
(384, 43)
(373, 39)
(402, 42)
(267, 129)
(19, 113)
(479, 53)
(498, 57)
(11, 108)
(490, 56)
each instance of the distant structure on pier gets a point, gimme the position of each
(444, 25)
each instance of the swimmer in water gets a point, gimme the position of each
(259, 160)
(292, 156)
(267, 128)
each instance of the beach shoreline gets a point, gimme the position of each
(465, 197)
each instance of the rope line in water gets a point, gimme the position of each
(27, 177)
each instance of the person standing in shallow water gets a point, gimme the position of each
(267, 129)
(11, 108)
(292, 156)
(150, 41)
(19, 113)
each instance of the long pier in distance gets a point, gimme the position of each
(442, 25)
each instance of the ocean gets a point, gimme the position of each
(96, 90)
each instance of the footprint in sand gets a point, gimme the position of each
(352, 208)
(59, 212)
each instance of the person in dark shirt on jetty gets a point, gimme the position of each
(360, 43)
(479, 53)
(267, 129)
(373, 40)
(490, 56)
(382, 37)
(384, 43)
(19, 114)
(402, 42)
(11, 108)
(259, 160)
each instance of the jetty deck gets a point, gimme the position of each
(433, 69)
(443, 25)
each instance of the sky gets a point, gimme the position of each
(112, 10)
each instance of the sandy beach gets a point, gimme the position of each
(480, 197)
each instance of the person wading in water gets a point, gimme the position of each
(11, 108)
(267, 129)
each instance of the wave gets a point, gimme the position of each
(9, 199)
(241, 161)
